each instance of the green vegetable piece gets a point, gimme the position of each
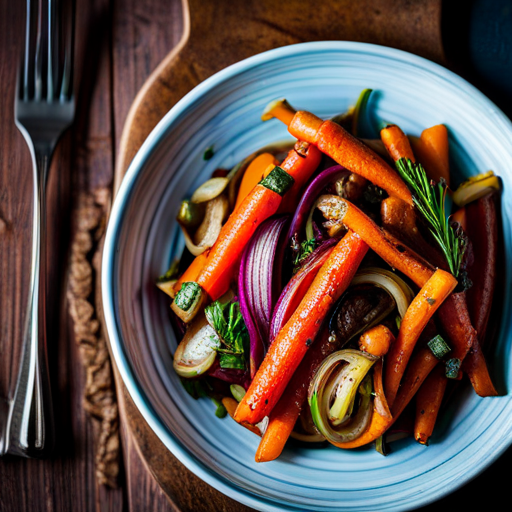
(190, 214)
(278, 180)
(237, 391)
(227, 321)
(429, 198)
(305, 249)
(452, 368)
(220, 410)
(187, 295)
(438, 346)
(208, 153)
(171, 274)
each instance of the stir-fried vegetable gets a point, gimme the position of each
(307, 344)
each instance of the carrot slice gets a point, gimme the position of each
(396, 142)
(293, 341)
(428, 403)
(377, 340)
(419, 312)
(254, 173)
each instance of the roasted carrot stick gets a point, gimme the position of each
(476, 368)
(396, 142)
(231, 404)
(342, 147)
(258, 206)
(432, 151)
(419, 312)
(428, 403)
(482, 229)
(418, 369)
(377, 340)
(400, 220)
(396, 254)
(254, 173)
(283, 417)
(293, 341)
(381, 417)
(193, 271)
(300, 151)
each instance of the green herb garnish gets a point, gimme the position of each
(452, 368)
(187, 295)
(171, 274)
(208, 153)
(278, 180)
(229, 324)
(304, 250)
(429, 198)
(438, 346)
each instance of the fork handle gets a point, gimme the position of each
(31, 424)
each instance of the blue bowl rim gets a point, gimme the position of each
(115, 223)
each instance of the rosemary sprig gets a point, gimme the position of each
(429, 198)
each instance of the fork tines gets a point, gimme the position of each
(47, 64)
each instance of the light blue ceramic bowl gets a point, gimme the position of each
(224, 111)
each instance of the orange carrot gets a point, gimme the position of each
(258, 206)
(231, 404)
(254, 173)
(428, 403)
(377, 340)
(419, 312)
(460, 217)
(342, 147)
(291, 165)
(400, 220)
(418, 369)
(283, 417)
(476, 368)
(396, 254)
(432, 151)
(381, 417)
(293, 341)
(397, 143)
(193, 271)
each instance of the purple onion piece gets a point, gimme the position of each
(292, 293)
(256, 288)
(312, 192)
(229, 375)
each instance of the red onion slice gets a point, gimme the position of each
(256, 285)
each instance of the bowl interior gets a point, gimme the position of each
(143, 237)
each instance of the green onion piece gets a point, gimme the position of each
(221, 411)
(171, 274)
(209, 152)
(452, 368)
(438, 346)
(237, 391)
(278, 180)
(187, 295)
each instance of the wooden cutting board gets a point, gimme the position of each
(217, 33)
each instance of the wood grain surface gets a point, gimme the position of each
(127, 46)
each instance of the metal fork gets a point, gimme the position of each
(44, 109)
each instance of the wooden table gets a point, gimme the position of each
(121, 43)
